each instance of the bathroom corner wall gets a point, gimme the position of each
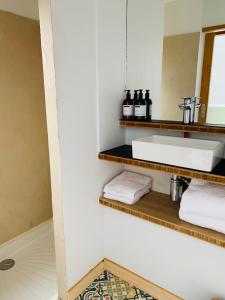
(111, 71)
(144, 66)
(25, 194)
(145, 25)
(89, 53)
(89, 50)
(184, 265)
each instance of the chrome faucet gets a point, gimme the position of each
(195, 104)
(178, 186)
(189, 106)
(186, 107)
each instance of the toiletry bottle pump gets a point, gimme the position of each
(128, 107)
(148, 105)
(139, 106)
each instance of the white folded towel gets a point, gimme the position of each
(128, 187)
(203, 221)
(126, 199)
(204, 199)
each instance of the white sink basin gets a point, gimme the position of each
(184, 152)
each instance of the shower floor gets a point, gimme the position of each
(33, 276)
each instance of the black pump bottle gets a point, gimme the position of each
(140, 107)
(128, 107)
(149, 105)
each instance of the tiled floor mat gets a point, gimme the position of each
(110, 287)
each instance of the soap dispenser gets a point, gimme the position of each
(139, 106)
(128, 107)
(149, 105)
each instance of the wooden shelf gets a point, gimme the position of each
(175, 126)
(123, 155)
(158, 208)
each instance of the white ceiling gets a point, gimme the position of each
(26, 8)
(168, 1)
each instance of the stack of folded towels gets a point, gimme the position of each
(128, 187)
(203, 204)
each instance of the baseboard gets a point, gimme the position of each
(136, 280)
(132, 278)
(82, 284)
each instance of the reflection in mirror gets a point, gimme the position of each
(187, 40)
(182, 25)
(215, 98)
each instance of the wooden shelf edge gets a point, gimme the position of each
(170, 221)
(165, 168)
(213, 129)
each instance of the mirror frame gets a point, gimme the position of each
(210, 34)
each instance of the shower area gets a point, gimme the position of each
(27, 254)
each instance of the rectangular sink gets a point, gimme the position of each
(196, 154)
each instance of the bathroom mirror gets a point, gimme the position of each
(187, 40)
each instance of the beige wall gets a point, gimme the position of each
(180, 57)
(25, 196)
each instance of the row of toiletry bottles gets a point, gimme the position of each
(138, 108)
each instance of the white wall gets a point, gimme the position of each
(213, 13)
(89, 43)
(111, 51)
(25, 8)
(90, 64)
(145, 25)
(186, 266)
(183, 16)
(182, 264)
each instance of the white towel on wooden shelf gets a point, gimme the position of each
(204, 199)
(128, 200)
(128, 187)
(203, 221)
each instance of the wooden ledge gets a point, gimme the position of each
(123, 155)
(158, 208)
(175, 126)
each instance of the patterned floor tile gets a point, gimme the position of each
(110, 287)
